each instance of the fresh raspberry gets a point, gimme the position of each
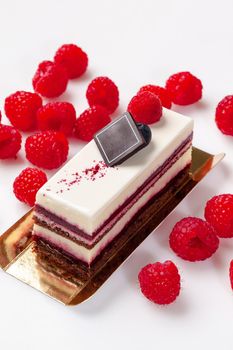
(73, 59)
(231, 273)
(184, 88)
(145, 108)
(102, 91)
(57, 116)
(21, 108)
(160, 282)
(27, 183)
(219, 213)
(50, 79)
(193, 239)
(224, 115)
(159, 91)
(90, 121)
(0, 116)
(10, 141)
(48, 149)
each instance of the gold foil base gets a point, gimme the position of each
(69, 282)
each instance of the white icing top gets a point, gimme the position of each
(87, 198)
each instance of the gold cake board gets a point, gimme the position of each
(65, 280)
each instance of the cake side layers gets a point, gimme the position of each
(85, 193)
(88, 255)
(65, 228)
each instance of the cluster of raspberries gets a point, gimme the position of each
(192, 239)
(52, 123)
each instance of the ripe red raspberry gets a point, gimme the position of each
(102, 91)
(184, 88)
(27, 183)
(50, 79)
(73, 59)
(231, 273)
(48, 149)
(224, 115)
(193, 239)
(57, 116)
(90, 121)
(145, 108)
(10, 141)
(21, 108)
(159, 282)
(159, 91)
(219, 213)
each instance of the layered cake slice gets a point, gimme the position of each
(86, 205)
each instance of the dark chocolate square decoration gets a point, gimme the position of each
(119, 140)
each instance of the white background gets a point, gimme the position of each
(134, 43)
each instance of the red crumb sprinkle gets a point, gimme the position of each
(77, 179)
(97, 171)
(61, 181)
(94, 170)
